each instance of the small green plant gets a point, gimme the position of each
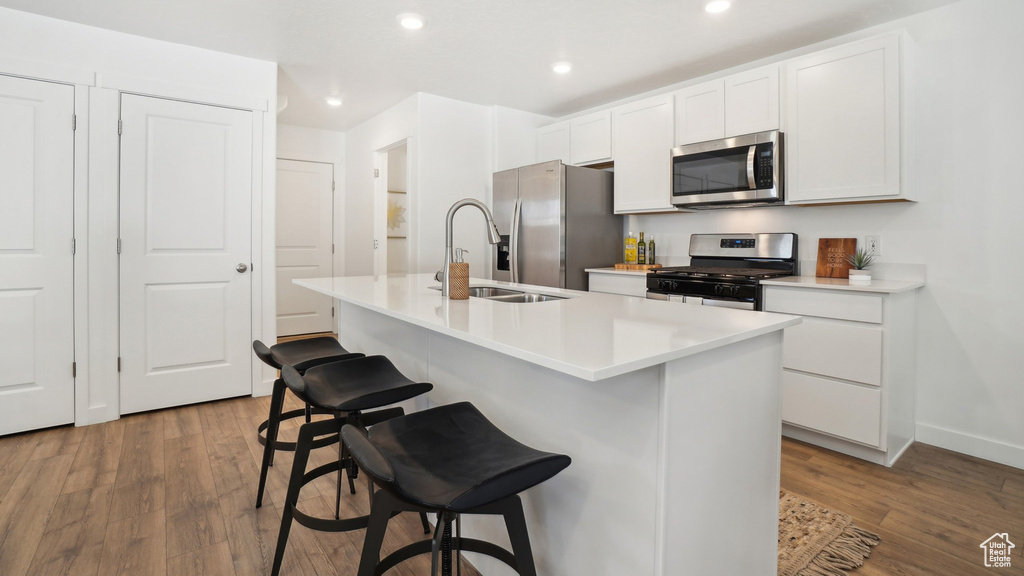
(860, 259)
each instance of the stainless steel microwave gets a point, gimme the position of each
(731, 172)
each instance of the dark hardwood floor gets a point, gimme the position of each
(933, 508)
(172, 492)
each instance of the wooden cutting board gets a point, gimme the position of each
(621, 266)
(832, 253)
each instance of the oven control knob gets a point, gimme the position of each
(719, 289)
(735, 290)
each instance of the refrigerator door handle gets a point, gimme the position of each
(513, 248)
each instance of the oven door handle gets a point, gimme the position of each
(751, 181)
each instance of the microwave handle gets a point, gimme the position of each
(751, 154)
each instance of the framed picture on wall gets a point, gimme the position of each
(398, 215)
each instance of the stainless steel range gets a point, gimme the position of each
(726, 270)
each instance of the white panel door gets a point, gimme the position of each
(37, 343)
(185, 198)
(305, 235)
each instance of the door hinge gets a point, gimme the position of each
(332, 248)
(333, 186)
(119, 127)
(376, 172)
(332, 311)
(74, 369)
(118, 363)
(118, 245)
(73, 247)
(74, 122)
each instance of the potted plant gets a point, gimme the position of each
(859, 262)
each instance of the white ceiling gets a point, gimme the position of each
(483, 51)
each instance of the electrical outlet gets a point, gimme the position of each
(873, 245)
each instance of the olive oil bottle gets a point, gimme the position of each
(650, 251)
(641, 250)
(629, 255)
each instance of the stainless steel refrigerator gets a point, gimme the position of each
(555, 221)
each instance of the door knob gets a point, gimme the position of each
(241, 268)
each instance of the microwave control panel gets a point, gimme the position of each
(764, 168)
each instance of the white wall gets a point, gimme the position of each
(515, 137)
(966, 93)
(102, 63)
(449, 147)
(362, 144)
(454, 162)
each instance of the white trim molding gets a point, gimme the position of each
(977, 446)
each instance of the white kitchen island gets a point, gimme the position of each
(671, 414)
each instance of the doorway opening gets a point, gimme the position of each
(395, 219)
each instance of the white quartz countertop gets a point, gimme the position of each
(613, 270)
(882, 286)
(588, 335)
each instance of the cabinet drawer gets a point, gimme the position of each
(845, 410)
(626, 285)
(846, 351)
(859, 307)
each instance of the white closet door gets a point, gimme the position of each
(37, 343)
(305, 234)
(185, 197)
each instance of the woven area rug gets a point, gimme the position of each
(816, 541)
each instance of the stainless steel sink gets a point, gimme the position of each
(492, 292)
(508, 295)
(524, 297)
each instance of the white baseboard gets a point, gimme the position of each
(976, 446)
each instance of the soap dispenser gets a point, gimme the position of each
(458, 277)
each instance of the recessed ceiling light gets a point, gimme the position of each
(333, 101)
(561, 67)
(716, 6)
(410, 21)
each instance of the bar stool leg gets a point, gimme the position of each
(302, 448)
(515, 523)
(276, 404)
(380, 512)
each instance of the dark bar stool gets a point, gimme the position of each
(347, 389)
(302, 355)
(449, 460)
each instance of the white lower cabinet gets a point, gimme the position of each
(848, 368)
(612, 281)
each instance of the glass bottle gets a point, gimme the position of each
(650, 251)
(641, 250)
(629, 256)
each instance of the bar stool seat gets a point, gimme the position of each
(346, 389)
(302, 355)
(450, 460)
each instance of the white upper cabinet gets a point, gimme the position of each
(553, 143)
(843, 124)
(700, 112)
(752, 101)
(739, 104)
(591, 138)
(642, 137)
